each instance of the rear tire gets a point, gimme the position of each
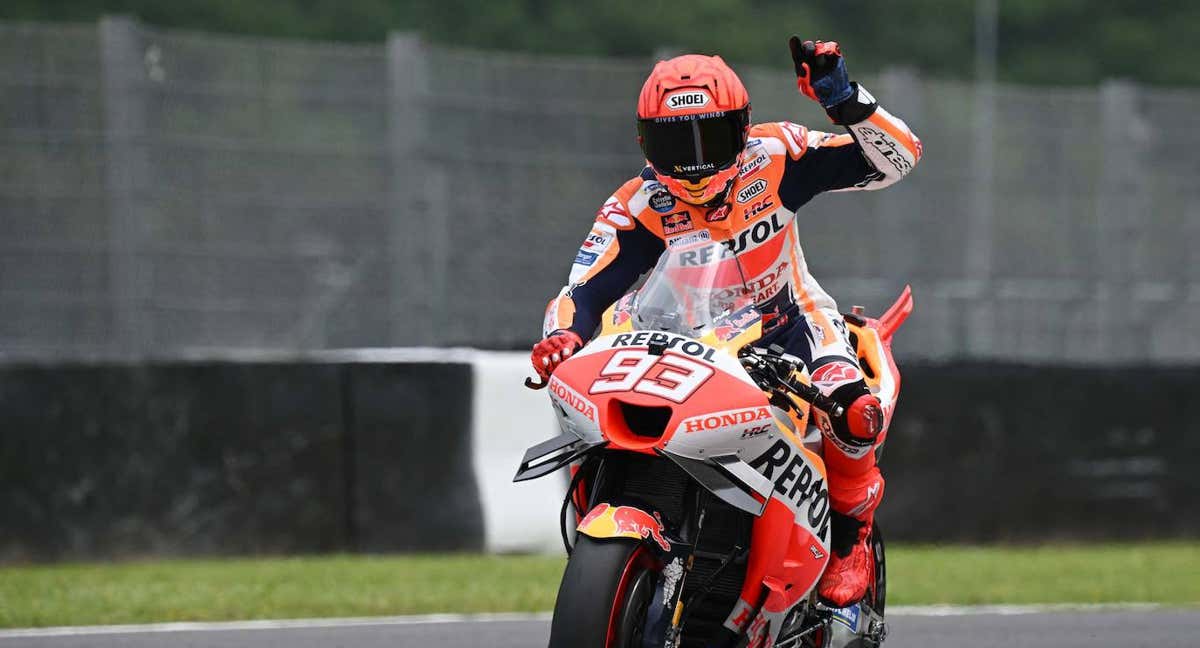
(604, 594)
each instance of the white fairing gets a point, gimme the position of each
(576, 414)
(712, 356)
(752, 433)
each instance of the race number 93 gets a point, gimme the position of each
(672, 377)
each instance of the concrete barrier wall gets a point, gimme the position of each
(415, 450)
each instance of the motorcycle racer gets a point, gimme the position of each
(713, 175)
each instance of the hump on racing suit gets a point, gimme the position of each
(783, 167)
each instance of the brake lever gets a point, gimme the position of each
(529, 382)
(782, 367)
(815, 398)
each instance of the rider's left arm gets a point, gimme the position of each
(884, 149)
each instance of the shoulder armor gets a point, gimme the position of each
(782, 137)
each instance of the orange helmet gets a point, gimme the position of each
(693, 121)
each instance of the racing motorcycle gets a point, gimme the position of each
(697, 492)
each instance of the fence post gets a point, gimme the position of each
(1122, 201)
(899, 218)
(981, 234)
(418, 226)
(127, 174)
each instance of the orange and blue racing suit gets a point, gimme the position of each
(783, 167)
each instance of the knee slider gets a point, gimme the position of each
(862, 419)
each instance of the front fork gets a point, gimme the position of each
(673, 548)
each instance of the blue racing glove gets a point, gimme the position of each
(821, 75)
(820, 71)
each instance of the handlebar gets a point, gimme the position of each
(780, 369)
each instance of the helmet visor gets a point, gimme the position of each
(694, 146)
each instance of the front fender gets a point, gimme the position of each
(613, 521)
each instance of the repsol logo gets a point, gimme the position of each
(684, 345)
(684, 100)
(757, 234)
(726, 419)
(753, 166)
(703, 256)
(797, 483)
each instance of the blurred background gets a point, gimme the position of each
(306, 175)
(209, 209)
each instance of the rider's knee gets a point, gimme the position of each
(861, 421)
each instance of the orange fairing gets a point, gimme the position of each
(874, 348)
(890, 321)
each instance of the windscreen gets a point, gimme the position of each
(691, 289)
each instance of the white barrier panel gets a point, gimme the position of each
(508, 418)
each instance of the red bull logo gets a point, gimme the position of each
(676, 223)
(606, 521)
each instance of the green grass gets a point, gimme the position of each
(209, 590)
(1167, 573)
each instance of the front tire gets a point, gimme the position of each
(605, 591)
(877, 595)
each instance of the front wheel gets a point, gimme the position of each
(877, 595)
(605, 592)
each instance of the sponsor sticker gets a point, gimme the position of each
(585, 258)
(689, 238)
(671, 575)
(796, 483)
(797, 139)
(740, 615)
(607, 521)
(703, 256)
(573, 398)
(847, 616)
(670, 342)
(757, 234)
(615, 214)
(730, 418)
(718, 214)
(835, 374)
(750, 191)
(758, 207)
(755, 165)
(662, 201)
(736, 323)
(676, 223)
(695, 168)
(686, 100)
(887, 146)
(597, 241)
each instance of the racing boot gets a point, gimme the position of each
(855, 490)
(851, 567)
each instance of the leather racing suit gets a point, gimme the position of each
(783, 167)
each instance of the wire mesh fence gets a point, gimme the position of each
(165, 192)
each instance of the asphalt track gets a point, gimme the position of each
(1117, 628)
